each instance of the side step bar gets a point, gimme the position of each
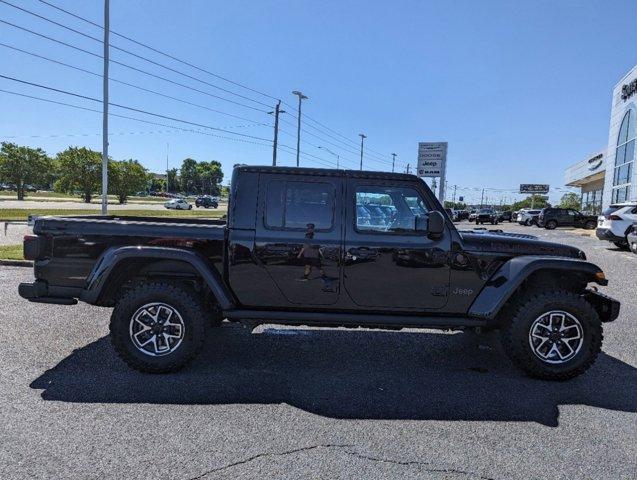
(353, 319)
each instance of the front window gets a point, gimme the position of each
(388, 209)
(624, 156)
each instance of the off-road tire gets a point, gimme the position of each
(550, 225)
(179, 297)
(521, 315)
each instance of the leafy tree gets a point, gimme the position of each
(210, 175)
(456, 205)
(172, 183)
(125, 178)
(23, 165)
(79, 169)
(571, 200)
(156, 184)
(189, 175)
(535, 201)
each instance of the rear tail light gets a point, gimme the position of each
(613, 217)
(33, 246)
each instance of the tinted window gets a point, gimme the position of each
(388, 209)
(294, 205)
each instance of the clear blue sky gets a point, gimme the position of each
(520, 90)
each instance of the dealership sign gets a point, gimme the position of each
(595, 162)
(534, 188)
(432, 159)
(629, 89)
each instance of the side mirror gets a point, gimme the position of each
(436, 223)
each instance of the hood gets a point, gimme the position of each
(497, 241)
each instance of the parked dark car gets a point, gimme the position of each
(505, 216)
(632, 239)
(487, 216)
(295, 252)
(551, 218)
(206, 202)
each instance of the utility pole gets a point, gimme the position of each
(277, 111)
(407, 169)
(482, 198)
(454, 193)
(298, 126)
(167, 148)
(393, 162)
(363, 137)
(105, 112)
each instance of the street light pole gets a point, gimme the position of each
(393, 162)
(363, 137)
(338, 157)
(105, 112)
(298, 125)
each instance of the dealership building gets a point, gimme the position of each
(609, 176)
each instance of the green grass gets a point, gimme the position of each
(21, 214)
(11, 252)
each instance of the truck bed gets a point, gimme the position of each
(74, 244)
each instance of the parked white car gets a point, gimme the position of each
(615, 222)
(525, 216)
(178, 204)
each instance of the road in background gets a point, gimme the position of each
(308, 403)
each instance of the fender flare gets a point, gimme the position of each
(511, 274)
(99, 277)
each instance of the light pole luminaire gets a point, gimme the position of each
(338, 157)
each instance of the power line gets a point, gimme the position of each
(130, 66)
(133, 109)
(128, 52)
(131, 85)
(56, 102)
(377, 156)
(158, 51)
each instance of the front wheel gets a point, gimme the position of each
(158, 327)
(590, 225)
(553, 335)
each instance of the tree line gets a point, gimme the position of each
(78, 171)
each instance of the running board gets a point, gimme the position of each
(352, 319)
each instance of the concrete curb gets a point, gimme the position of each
(16, 263)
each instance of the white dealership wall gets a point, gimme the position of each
(589, 176)
(618, 110)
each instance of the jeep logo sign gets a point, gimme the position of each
(432, 159)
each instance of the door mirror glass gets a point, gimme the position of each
(435, 223)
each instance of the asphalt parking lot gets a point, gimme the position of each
(302, 403)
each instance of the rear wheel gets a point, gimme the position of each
(590, 225)
(555, 335)
(158, 327)
(550, 225)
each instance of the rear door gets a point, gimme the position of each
(387, 264)
(298, 236)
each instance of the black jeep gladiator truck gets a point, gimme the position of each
(299, 249)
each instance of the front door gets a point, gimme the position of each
(298, 236)
(387, 263)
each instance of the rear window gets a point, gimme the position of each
(294, 205)
(610, 210)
